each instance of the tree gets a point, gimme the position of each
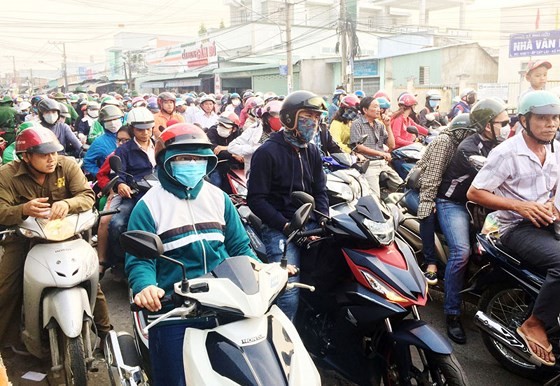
(202, 30)
(222, 25)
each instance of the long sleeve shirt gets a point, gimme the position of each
(403, 137)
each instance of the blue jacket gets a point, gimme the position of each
(101, 147)
(277, 170)
(134, 161)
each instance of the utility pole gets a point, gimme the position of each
(64, 67)
(14, 64)
(343, 44)
(31, 87)
(289, 45)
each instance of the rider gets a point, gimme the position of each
(338, 94)
(340, 124)
(39, 184)
(468, 98)
(517, 181)
(401, 119)
(491, 121)
(199, 226)
(110, 118)
(8, 119)
(166, 102)
(285, 163)
(206, 117)
(49, 114)
(430, 116)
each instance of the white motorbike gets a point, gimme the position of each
(260, 344)
(59, 292)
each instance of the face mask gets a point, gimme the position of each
(433, 104)
(113, 126)
(274, 123)
(50, 117)
(129, 105)
(93, 113)
(223, 132)
(189, 173)
(349, 114)
(306, 128)
(235, 102)
(504, 133)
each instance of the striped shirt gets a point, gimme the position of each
(377, 134)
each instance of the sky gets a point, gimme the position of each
(31, 30)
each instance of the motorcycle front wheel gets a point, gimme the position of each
(75, 370)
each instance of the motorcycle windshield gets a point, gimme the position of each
(57, 230)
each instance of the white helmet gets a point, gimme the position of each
(207, 98)
(140, 118)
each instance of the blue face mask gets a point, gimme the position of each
(433, 104)
(189, 173)
(306, 128)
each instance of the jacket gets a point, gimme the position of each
(101, 147)
(403, 137)
(134, 162)
(277, 170)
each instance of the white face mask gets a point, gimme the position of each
(93, 113)
(504, 133)
(223, 132)
(113, 126)
(50, 117)
(235, 102)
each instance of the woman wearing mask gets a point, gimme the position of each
(340, 125)
(401, 119)
(252, 137)
(88, 127)
(111, 118)
(429, 116)
(221, 135)
(49, 115)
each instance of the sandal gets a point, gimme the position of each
(535, 357)
(104, 267)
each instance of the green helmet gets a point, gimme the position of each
(461, 121)
(484, 111)
(6, 100)
(539, 102)
(110, 112)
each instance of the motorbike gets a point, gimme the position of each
(345, 178)
(363, 320)
(509, 289)
(59, 291)
(254, 343)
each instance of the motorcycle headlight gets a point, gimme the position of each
(384, 232)
(382, 289)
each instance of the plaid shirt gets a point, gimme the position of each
(377, 134)
(433, 164)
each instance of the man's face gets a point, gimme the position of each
(543, 126)
(500, 121)
(180, 109)
(43, 163)
(373, 111)
(142, 135)
(207, 106)
(537, 77)
(168, 106)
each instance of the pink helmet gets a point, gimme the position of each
(381, 94)
(408, 100)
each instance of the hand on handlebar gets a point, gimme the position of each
(38, 207)
(59, 210)
(149, 298)
(125, 191)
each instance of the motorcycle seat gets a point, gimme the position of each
(507, 252)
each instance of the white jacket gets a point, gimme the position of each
(246, 144)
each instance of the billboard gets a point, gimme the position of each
(534, 44)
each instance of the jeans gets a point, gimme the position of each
(118, 225)
(538, 248)
(274, 242)
(454, 222)
(427, 226)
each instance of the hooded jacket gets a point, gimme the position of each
(277, 170)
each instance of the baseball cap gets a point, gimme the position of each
(538, 63)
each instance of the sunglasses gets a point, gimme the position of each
(503, 123)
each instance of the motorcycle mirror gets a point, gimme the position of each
(115, 163)
(105, 191)
(141, 244)
(413, 179)
(300, 217)
(300, 198)
(362, 139)
(412, 130)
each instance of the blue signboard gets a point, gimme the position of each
(534, 44)
(366, 68)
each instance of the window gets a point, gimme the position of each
(424, 76)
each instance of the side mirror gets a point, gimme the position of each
(300, 217)
(141, 244)
(413, 179)
(300, 198)
(412, 130)
(115, 163)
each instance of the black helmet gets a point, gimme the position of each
(110, 112)
(484, 111)
(48, 104)
(461, 121)
(299, 100)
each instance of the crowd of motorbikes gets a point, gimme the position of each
(358, 316)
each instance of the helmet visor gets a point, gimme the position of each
(315, 103)
(546, 109)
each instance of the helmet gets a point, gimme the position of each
(407, 100)
(109, 100)
(253, 102)
(229, 120)
(350, 101)
(181, 134)
(110, 112)
(339, 91)
(6, 100)
(64, 110)
(179, 102)
(165, 96)
(268, 96)
(207, 98)
(140, 101)
(92, 105)
(461, 121)
(485, 111)
(140, 118)
(467, 91)
(234, 95)
(359, 93)
(59, 96)
(37, 139)
(48, 104)
(153, 107)
(36, 99)
(248, 94)
(259, 94)
(24, 105)
(272, 107)
(383, 103)
(539, 102)
(381, 94)
(433, 95)
(299, 100)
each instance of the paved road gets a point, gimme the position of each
(480, 367)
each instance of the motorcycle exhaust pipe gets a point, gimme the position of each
(503, 335)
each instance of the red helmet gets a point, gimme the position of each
(407, 100)
(381, 94)
(37, 139)
(181, 134)
(350, 101)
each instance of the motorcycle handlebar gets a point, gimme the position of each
(312, 232)
(167, 300)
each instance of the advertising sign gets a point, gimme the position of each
(184, 57)
(534, 44)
